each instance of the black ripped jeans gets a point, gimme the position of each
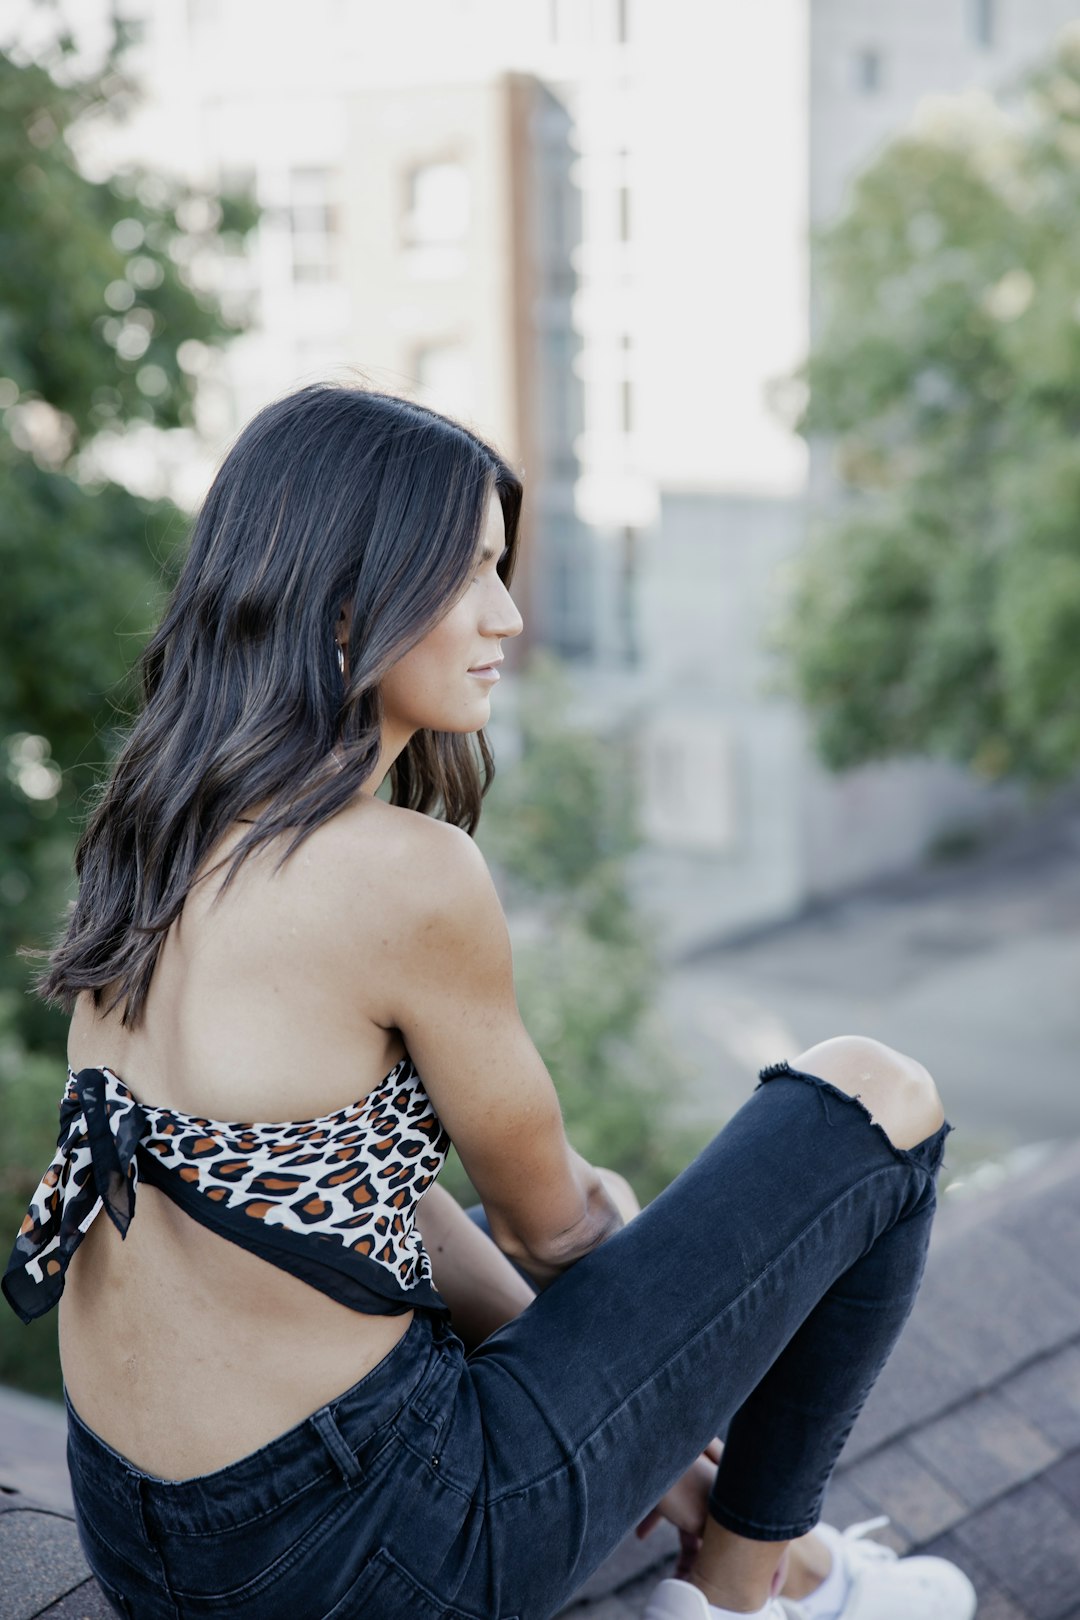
(759, 1297)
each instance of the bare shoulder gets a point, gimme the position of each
(417, 908)
(389, 840)
(414, 872)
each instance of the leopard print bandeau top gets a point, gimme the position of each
(331, 1200)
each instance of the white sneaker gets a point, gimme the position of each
(676, 1600)
(886, 1587)
(881, 1586)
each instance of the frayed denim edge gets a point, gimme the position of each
(925, 1155)
(751, 1531)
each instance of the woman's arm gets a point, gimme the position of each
(476, 1280)
(474, 1277)
(443, 977)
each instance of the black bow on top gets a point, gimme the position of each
(114, 1128)
(101, 1125)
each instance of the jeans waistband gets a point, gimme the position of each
(352, 1422)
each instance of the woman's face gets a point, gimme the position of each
(445, 682)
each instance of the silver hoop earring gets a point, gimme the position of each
(341, 658)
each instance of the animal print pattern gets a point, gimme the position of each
(354, 1175)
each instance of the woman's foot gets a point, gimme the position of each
(867, 1581)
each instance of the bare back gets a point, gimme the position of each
(255, 1013)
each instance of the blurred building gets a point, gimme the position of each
(874, 66)
(415, 234)
(454, 260)
(746, 826)
(582, 226)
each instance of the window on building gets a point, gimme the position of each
(559, 400)
(688, 786)
(437, 204)
(868, 71)
(626, 405)
(568, 588)
(628, 572)
(982, 22)
(313, 227)
(446, 374)
(624, 213)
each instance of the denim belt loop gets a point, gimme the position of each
(332, 1439)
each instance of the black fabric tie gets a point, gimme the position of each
(113, 1134)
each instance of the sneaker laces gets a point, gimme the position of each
(858, 1551)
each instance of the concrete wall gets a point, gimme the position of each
(746, 827)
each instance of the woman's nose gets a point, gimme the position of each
(503, 618)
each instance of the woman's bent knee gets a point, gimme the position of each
(898, 1090)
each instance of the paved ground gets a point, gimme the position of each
(33, 1435)
(972, 965)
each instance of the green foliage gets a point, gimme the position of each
(30, 1087)
(559, 827)
(937, 608)
(87, 266)
(562, 820)
(101, 327)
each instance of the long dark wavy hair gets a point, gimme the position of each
(332, 495)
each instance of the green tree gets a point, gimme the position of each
(102, 327)
(101, 323)
(30, 1084)
(937, 607)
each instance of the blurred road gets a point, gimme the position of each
(971, 965)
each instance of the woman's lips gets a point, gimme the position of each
(485, 672)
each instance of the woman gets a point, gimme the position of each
(306, 1384)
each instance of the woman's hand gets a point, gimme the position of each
(478, 1283)
(686, 1506)
(620, 1192)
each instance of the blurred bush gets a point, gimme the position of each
(560, 827)
(937, 609)
(103, 328)
(30, 1087)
